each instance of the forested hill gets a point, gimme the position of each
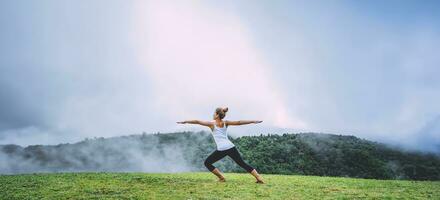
(304, 153)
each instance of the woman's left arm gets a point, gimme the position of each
(199, 122)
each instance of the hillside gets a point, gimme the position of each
(204, 186)
(302, 154)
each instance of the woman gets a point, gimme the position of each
(224, 146)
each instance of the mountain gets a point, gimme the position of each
(302, 153)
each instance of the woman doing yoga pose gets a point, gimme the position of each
(224, 146)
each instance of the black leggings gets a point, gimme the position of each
(232, 152)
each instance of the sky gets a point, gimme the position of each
(81, 69)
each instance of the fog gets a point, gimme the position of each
(122, 154)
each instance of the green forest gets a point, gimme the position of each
(301, 154)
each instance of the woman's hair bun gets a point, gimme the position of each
(225, 109)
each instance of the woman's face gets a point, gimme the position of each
(215, 116)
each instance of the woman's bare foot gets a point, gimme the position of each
(257, 176)
(220, 176)
(260, 181)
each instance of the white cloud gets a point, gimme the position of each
(199, 57)
(296, 66)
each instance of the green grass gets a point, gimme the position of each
(205, 186)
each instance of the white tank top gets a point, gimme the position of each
(221, 138)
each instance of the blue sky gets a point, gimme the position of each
(73, 69)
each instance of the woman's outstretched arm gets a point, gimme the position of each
(203, 123)
(242, 122)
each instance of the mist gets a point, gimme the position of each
(136, 153)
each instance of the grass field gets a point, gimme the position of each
(205, 186)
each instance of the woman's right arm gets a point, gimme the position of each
(242, 122)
